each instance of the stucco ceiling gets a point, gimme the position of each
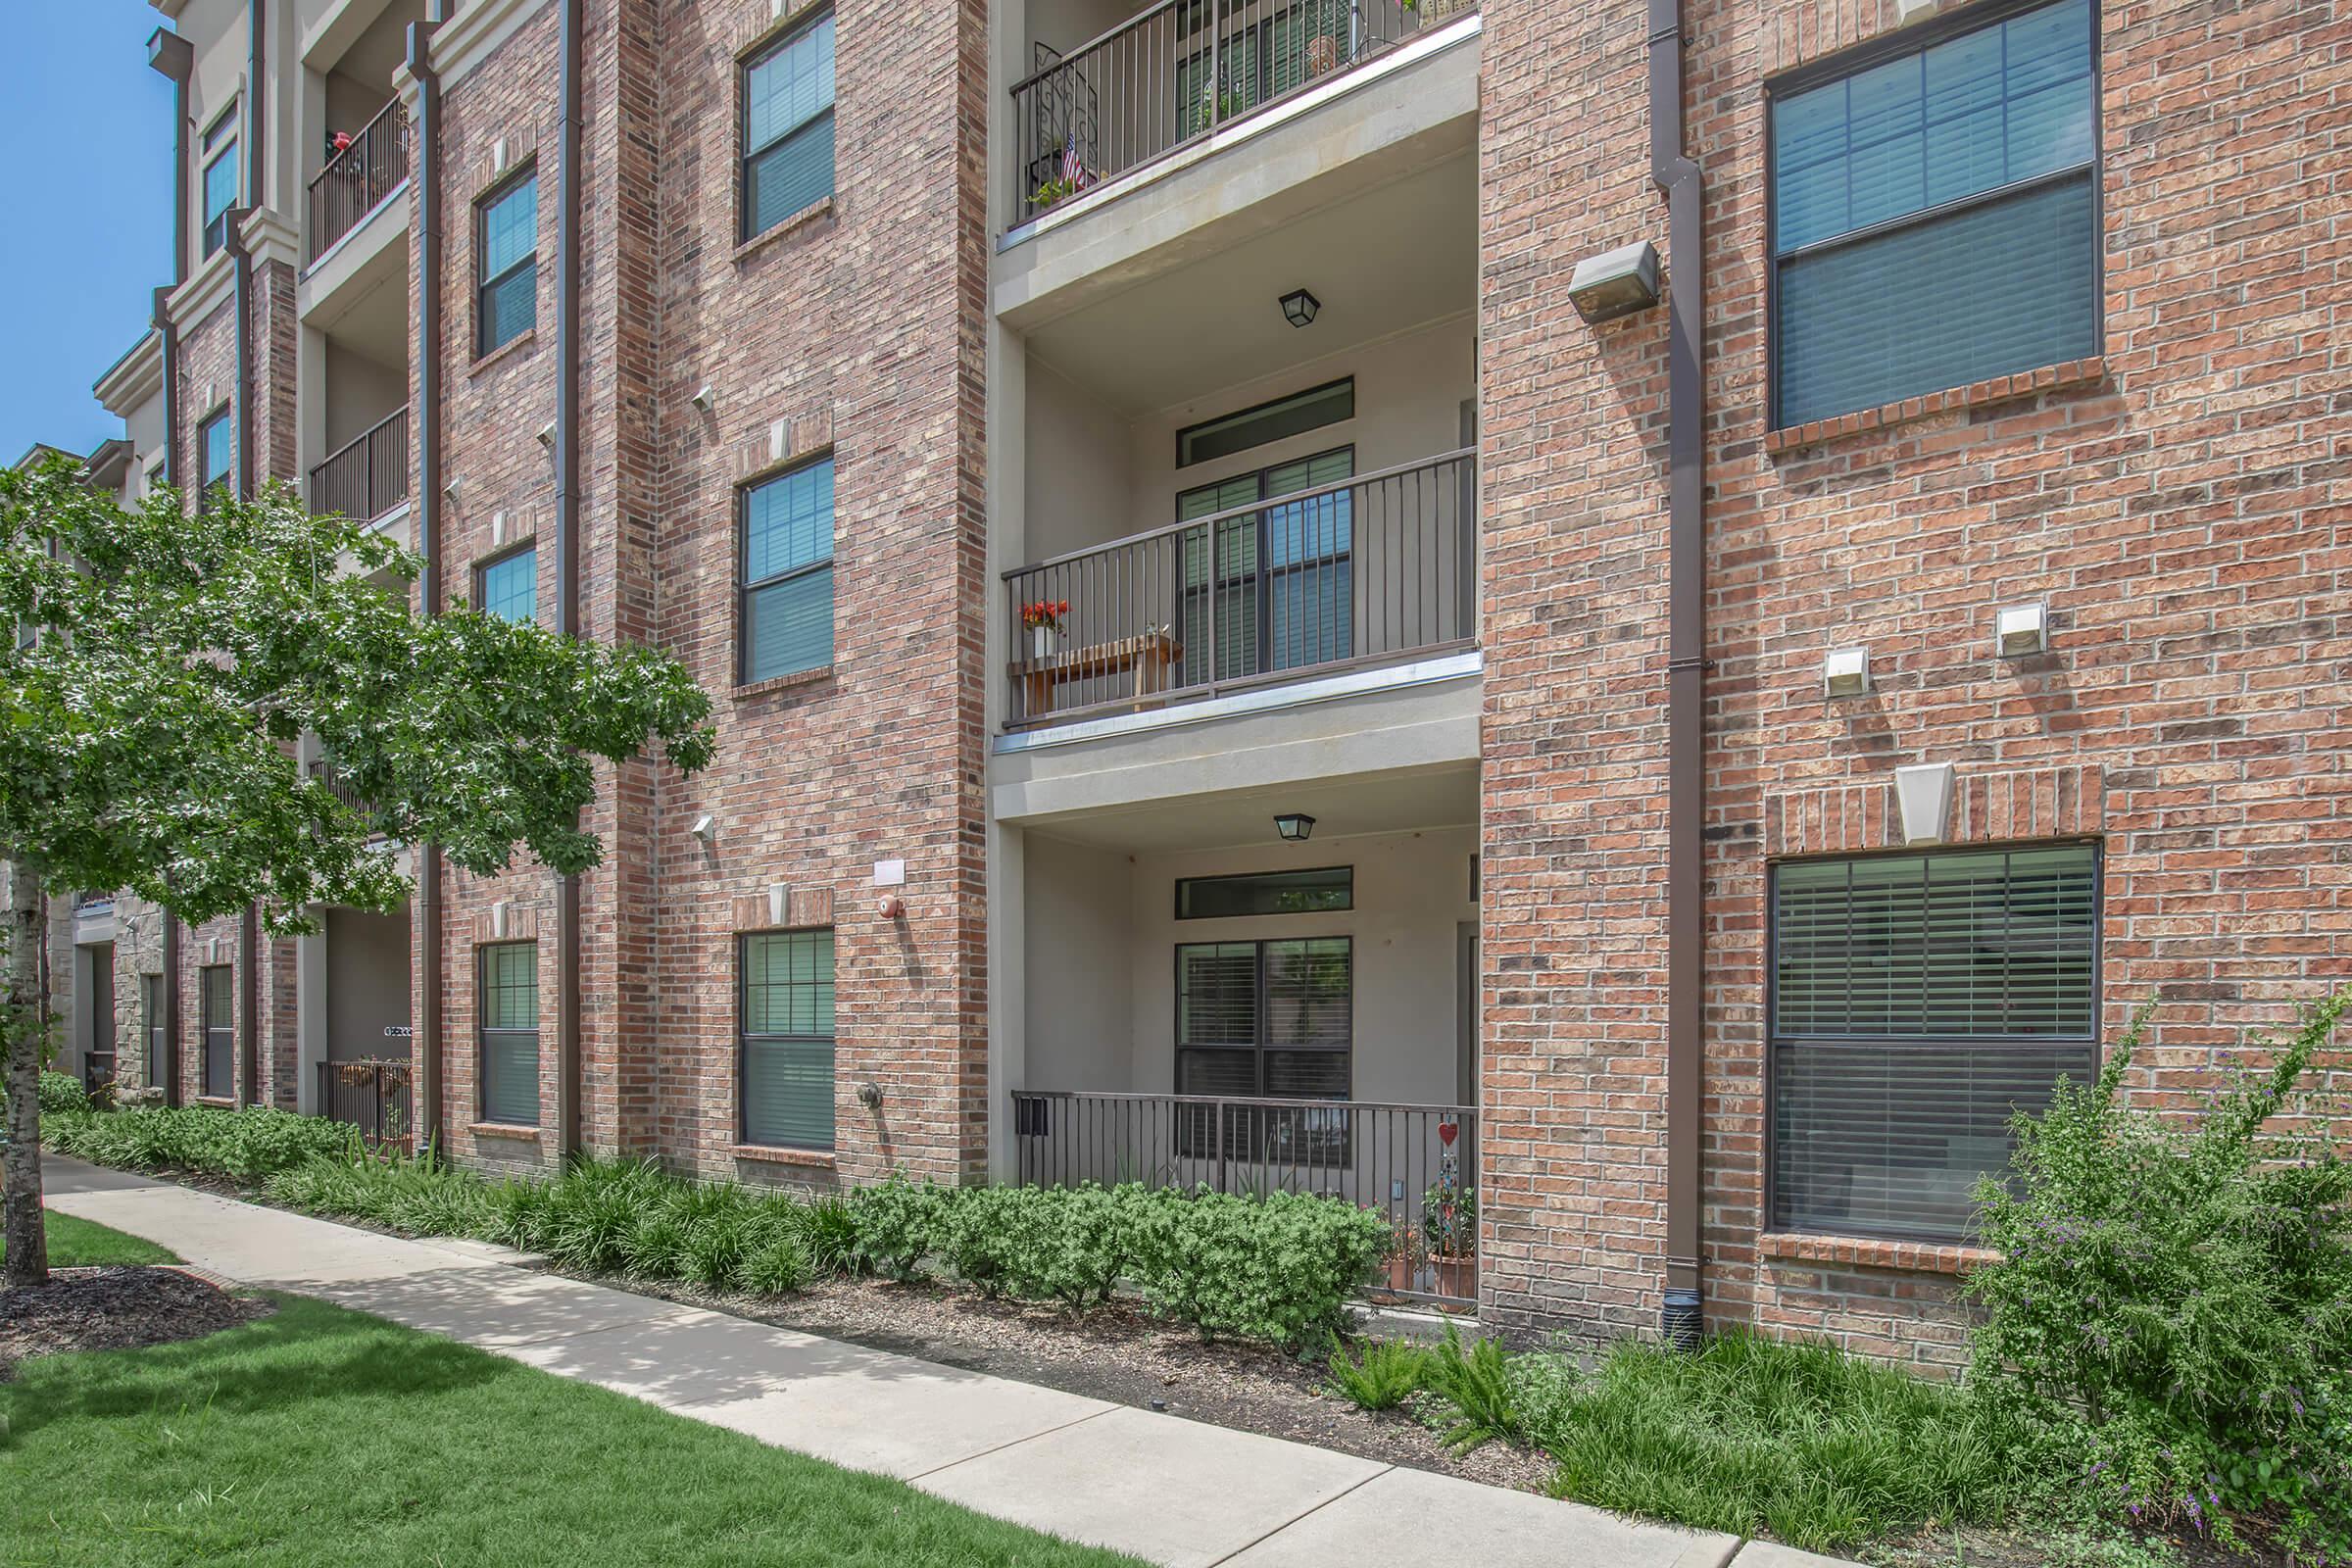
(1363, 802)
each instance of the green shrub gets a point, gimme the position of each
(898, 1225)
(716, 1246)
(988, 1235)
(829, 1230)
(61, 1092)
(1280, 1267)
(1383, 1376)
(655, 1245)
(2173, 1304)
(246, 1144)
(776, 1266)
(1075, 1244)
(1481, 1393)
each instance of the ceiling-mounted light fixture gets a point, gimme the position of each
(1615, 282)
(1299, 306)
(1294, 826)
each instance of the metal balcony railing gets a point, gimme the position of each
(368, 477)
(1169, 75)
(1369, 570)
(360, 176)
(374, 1096)
(1417, 1165)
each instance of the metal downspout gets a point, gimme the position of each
(568, 547)
(174, 57)
(1684, 1313)
(426, 1046)
(256, 129)
(243, 293)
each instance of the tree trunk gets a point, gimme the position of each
(25, 1023)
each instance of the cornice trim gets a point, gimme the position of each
(134, 379)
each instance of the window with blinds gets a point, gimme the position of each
(788, 126)
(221, 182)
(506, 261)
(509, 587)
(151, 1025)
(1262, 59)
(1276, 584)
(787, 567)
(785, 1068)
(1252, 892)
(1935, 216)
(509, 1033)
(215, 991)
(1266, 1019)
(1917, 1001)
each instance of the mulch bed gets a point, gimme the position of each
(112, 1309)
(1120, 1354)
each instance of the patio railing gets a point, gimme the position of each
(1168, 77)
(360, 176)
(371, 1095)
(369, 477)
(1365, 572)
(1416, 1164)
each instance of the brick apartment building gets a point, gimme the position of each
(1681, 776)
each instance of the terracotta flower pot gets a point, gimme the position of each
(1402, 1269)
(1456, 1276)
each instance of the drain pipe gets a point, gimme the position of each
(256, 125)
(174, 57)
(242, 291)
(1685, 1316)
(568, 546)
(426, 1047)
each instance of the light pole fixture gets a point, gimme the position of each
(1294, 826)
(1299, 306)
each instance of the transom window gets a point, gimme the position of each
(1935, 216)
(788, 126)
(787, 569)
(1212, 898)
(785, 1068)
(1917, 1002)
(507, 247)
(1278, 590)
(1277, 420)
(509, 586)
(221, 182)
(509, 1033)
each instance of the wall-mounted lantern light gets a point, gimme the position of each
(1615, 282)
(1299, 306)
(1294, 826)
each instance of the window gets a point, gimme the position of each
(506, 252)
(509, 1006)
(1265, 1019)
(1263, 61)
(1935, 216)
(1214, 897)
(1280, 594)
(787, 616)
(214, 990)
(151, 1025)
(788, 126)
(1268, 422)
(786, 1063)
(221, 185)
(217, 450)
(1917, 1001)
(508, 586)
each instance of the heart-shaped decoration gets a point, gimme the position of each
(1446, 1132)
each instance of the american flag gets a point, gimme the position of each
(1073, 171)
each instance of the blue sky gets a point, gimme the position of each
(85, 163)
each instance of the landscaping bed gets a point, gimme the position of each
(115, 1308)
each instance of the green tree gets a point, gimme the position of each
(168, 667)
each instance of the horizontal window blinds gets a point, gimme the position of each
(788, 1070)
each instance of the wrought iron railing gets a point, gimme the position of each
(1416, 1164)
(358, 177)
(374, 1096)
(1368, 571)
(1167, 76)
(368, 477)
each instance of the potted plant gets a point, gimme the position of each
(1450, 1225)
(1045, 618)
(1400, 1259)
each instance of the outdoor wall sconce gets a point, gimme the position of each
(1299, 308)
(1924, 793)
(869, 1095)
(2021, 629)
(546, 434)
(1615, 282)
(703, 398)
(1295, 827)
(703, 826)
(1846, 673)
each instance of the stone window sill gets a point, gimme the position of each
(219, 1102)
(505, 350)
(503, 1129)
(797, 223)
(785, 683)
(2000, 388)
(1871, 1251)
(811, 1159)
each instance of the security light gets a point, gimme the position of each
(1294, 826)
(1615, 282)
(1846, 673)
(703, 398)
(703, 826)
(2020, 630)
(1299, 306)
(546, 434)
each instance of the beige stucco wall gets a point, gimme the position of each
(366, 983)
(358, 394)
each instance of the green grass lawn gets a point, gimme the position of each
(77, 1243)
(321, 1435)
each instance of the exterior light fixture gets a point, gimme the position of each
(1299, 306)
(546, 434)
(1294, 826)
(703, 398)
(703, 826)
(2021, 629)
(1924, 794)
(1615, 282)
(1846, 673)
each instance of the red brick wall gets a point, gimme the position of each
(2183, 514)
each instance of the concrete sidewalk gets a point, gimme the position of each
(1171, 1490)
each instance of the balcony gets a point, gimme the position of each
(1166, 78)
(1358, 572)
(356, 180)
(368, 478)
